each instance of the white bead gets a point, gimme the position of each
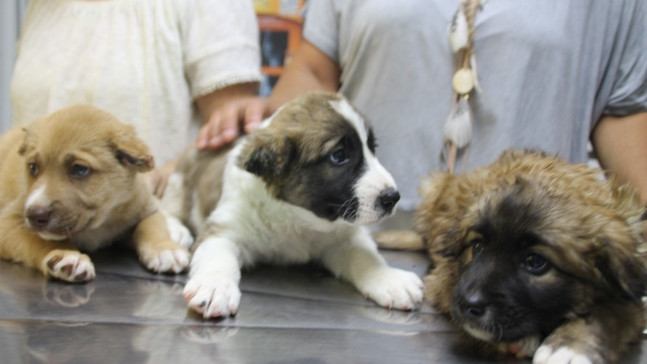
(463, 81)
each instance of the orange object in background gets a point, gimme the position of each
(280, 24)
(290, 8)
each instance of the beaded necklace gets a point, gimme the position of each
(458, 127)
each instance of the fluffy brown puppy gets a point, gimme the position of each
(73, 181)
(536, 257)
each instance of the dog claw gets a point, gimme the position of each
(168, 261)
(212, 296)
(393, 288)
(51, 263)
(67, 265)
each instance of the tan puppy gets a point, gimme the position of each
(536, 257)
(74, 181)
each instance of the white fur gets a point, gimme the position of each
(37, 197)
(563, 355)
(376, 178)
(169, 261)
(178, 232)
(253, 226)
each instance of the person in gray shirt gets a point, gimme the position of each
(551, 75)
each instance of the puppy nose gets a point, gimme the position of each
(39, 216)
(474, 305)
(388, 198)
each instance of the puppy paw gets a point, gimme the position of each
(68, 265)
(392, 288)
(166, 261)
(547, 354)
(212, 296)
(178, 232)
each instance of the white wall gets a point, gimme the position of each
(11, 14)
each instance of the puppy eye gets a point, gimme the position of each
(474, 242)
(536, 264)
(339, 157)
(477, 246)
(79, 171)
(33, 169)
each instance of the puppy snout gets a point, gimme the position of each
(39, 216)
(388, 198)
(474, 305)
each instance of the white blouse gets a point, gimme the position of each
(145, 61)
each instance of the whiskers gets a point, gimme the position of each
(347, 210)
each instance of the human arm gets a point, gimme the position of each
(309, 69)
(620, 143)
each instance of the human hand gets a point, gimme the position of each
(159, 178)
(224, 124)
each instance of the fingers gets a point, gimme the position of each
(229, 129)
(223, 126)
(255, 113)
(215, 133)
(159, 179)
(154, 178)
(160, 186)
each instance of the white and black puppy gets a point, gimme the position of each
(298, 189)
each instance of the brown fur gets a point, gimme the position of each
(292, 142)
(193, 166)
(589, 230)
(87, 211)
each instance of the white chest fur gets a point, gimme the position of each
(268, 229)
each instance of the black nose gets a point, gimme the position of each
(474, 305)
(388, 198)
(39, 217)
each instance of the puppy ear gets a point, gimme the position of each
(140, 162)
(131, 151)
(623, 270)
(26, 143)
(266, 155)
(622, 260)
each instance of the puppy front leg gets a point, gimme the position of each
(56, 259)
(601, 337)
(155, 248)
(360, 263)
(212, 289)
(173, 206)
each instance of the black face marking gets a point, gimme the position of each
(326, 185)
(371, 143)
(311, 156)
(506, 287)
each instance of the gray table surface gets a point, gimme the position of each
(287, 315)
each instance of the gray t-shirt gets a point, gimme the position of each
(548, 69)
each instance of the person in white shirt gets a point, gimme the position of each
(164, 66)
